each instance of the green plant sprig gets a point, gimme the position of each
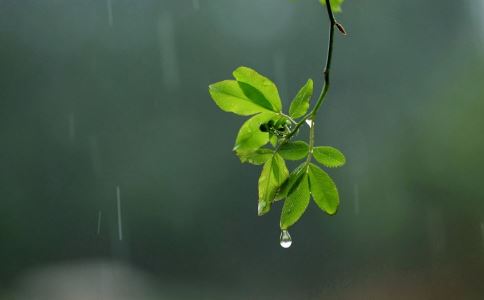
(252, 94)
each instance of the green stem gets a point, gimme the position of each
(311, 141)
(326, 73)
(312, 114)
(287, 117)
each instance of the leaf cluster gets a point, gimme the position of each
(266, 139)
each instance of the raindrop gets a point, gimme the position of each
(482, 233)
(99, 216)
(286, 240)
(477, 14)
(310, 123)
(169, 59)
(120, 224)
(196, 4)
(72, 127)
(109, 5)
(260, 207)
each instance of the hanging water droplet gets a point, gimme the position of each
(286, 240)
(309, 122)
(260, 208)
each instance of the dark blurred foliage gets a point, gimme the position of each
(96, 94)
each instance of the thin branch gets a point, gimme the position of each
(329, 57)
(326, 73)
(324, 91)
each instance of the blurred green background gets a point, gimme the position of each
(107, 94)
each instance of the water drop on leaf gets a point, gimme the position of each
(286, 240)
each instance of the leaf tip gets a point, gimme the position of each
(263, 208)
(331, 212)
(240, 69)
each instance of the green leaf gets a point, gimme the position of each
(329, 156)
(296, 203)
(335, 5)
(238, 98)
(300, 103)
(257, 157)
(274, 173)
(323, 190)
(265, 86)
(273, 140)
(294, 150)
(250, 137)
(293, 178)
